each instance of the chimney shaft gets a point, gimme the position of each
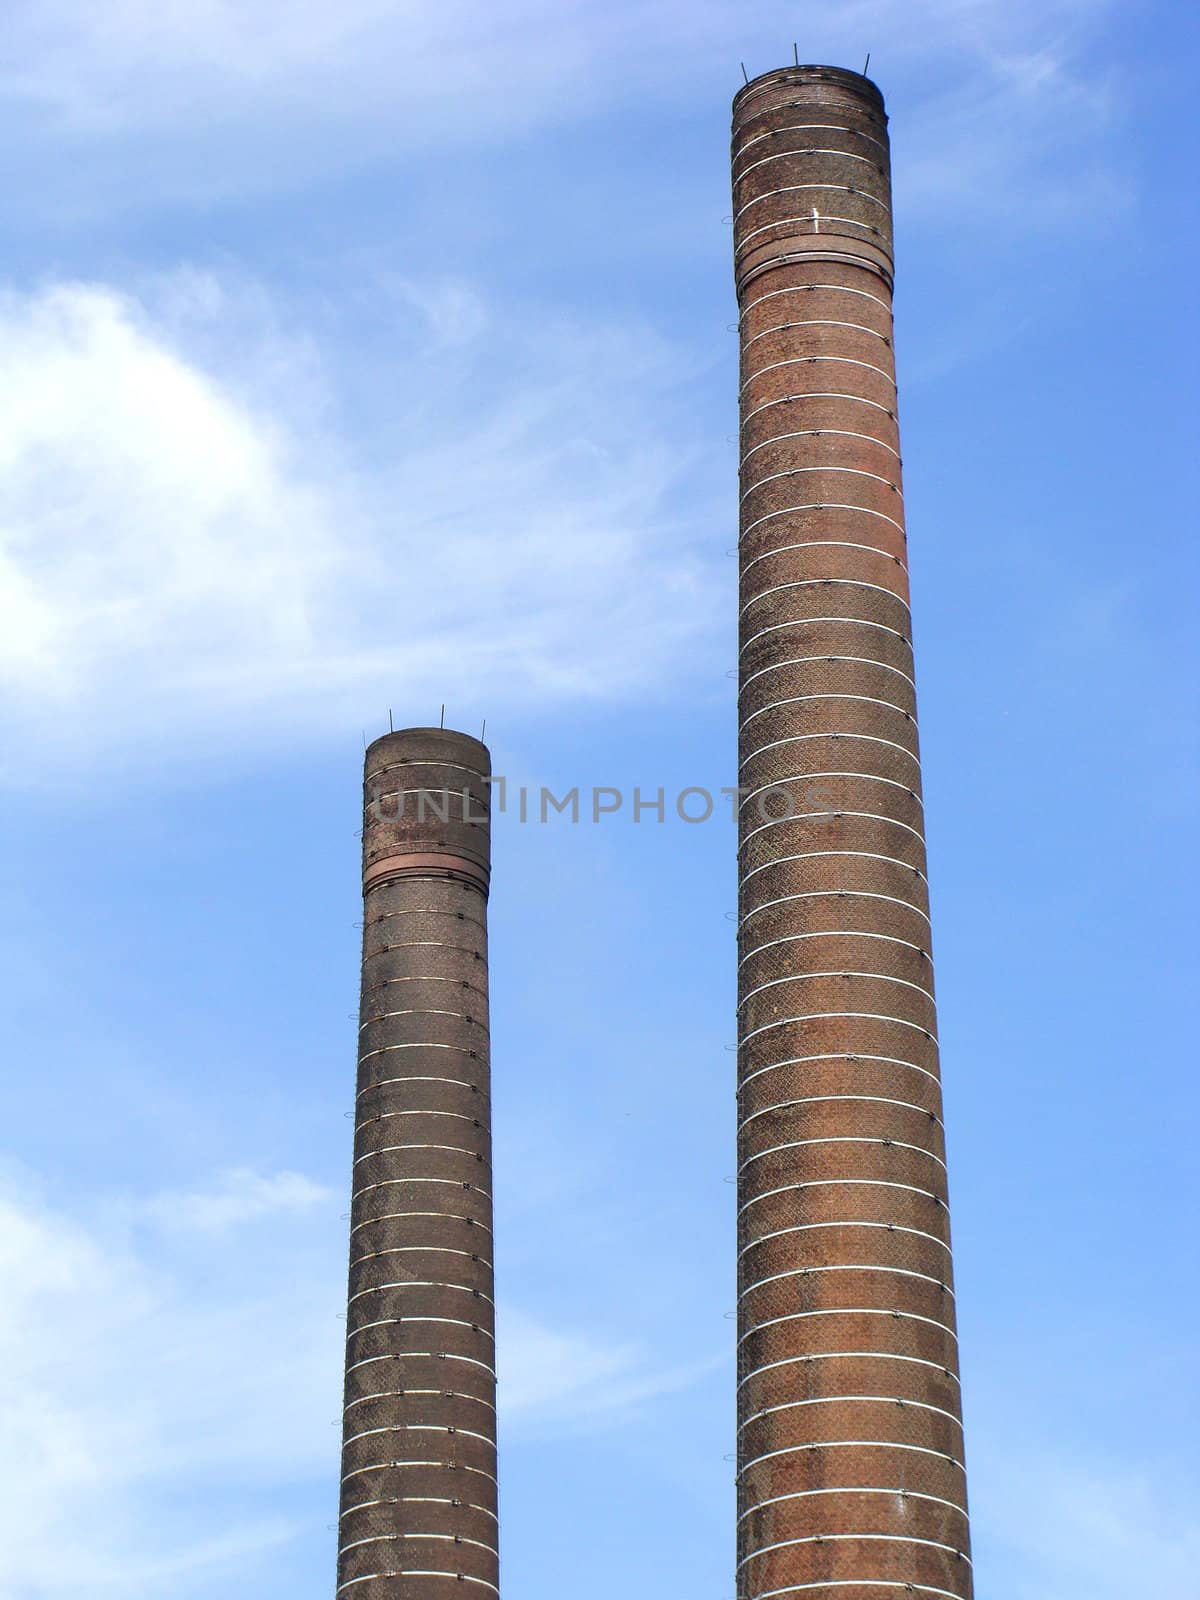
(418, 1493)
(850, 1450)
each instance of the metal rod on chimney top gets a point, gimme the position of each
(850, 1449)
(418, 1505)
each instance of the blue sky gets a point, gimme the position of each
(376, 356)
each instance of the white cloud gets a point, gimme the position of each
(523, 62)
(1021, 136)
(1065, 1528)
(435, 70)
(128, 1388)
(202, 533)
(144, 512)
(284, 90)
(236, 1198)
(161, 1389)
(557, 1377)
(186, 542)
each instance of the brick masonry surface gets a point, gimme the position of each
(850, 1454)
(418, 1492)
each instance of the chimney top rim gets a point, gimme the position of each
(453, 736)
(812, 72)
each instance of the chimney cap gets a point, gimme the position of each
(841, 77)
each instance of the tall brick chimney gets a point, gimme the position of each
(418, 1495)
(850, 1448)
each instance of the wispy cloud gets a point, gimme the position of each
(220, 517)
(188, 541)
(237, 1197)
(285, 91)
(104, 74)
(125, 1385)
(1066, 1528)
(557, 1378)
(1018, 136)
(162, 1387)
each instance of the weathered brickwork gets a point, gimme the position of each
(418, 1501)
(850, 1454)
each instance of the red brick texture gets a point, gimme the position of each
(850, 1454)
(418, 1493)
